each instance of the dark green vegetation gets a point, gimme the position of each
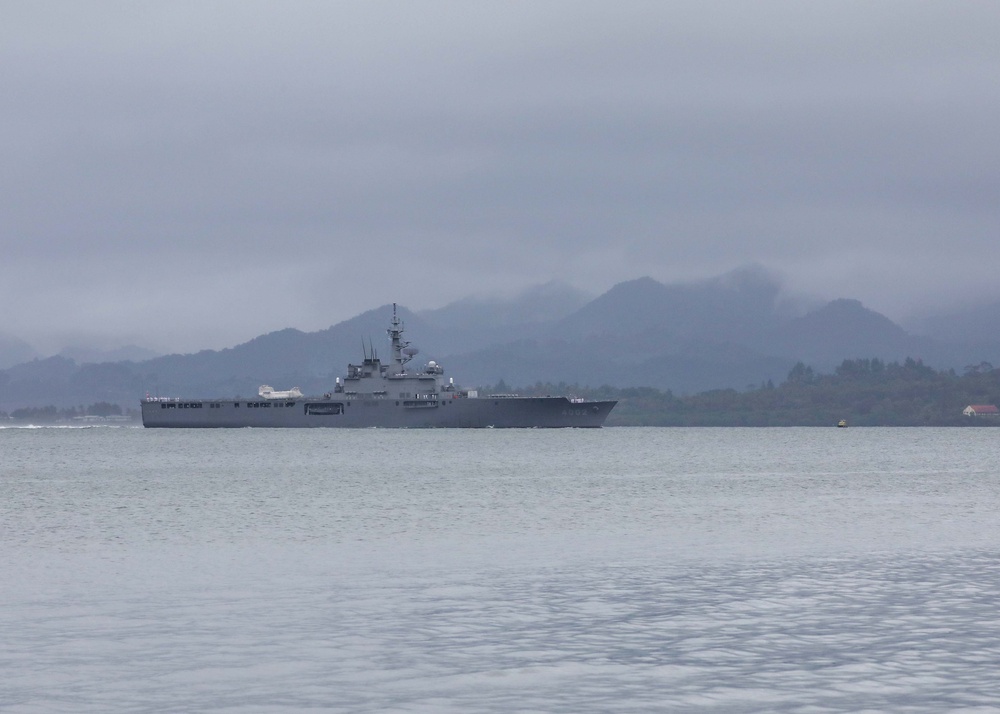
(865, 392)
(53, 415)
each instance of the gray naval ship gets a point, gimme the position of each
(373, 394)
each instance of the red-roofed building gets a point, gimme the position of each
(981, 410)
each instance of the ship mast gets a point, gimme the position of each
(398, 343)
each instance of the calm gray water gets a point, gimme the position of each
(798, 570)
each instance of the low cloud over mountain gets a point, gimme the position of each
(732, 331)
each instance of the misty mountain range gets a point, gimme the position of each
(732, 331)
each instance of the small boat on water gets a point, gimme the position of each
(842, 424)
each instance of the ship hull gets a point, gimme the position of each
(343, 412)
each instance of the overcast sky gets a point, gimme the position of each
(188, 175)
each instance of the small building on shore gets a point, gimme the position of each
(981, 410)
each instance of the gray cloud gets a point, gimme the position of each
(193, 174)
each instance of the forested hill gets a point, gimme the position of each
(722, 333)
(864, 392)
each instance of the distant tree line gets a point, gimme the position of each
(50, 414)
(864, 392)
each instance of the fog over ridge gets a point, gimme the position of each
(189, 176)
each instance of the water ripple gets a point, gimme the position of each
(915, 633)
